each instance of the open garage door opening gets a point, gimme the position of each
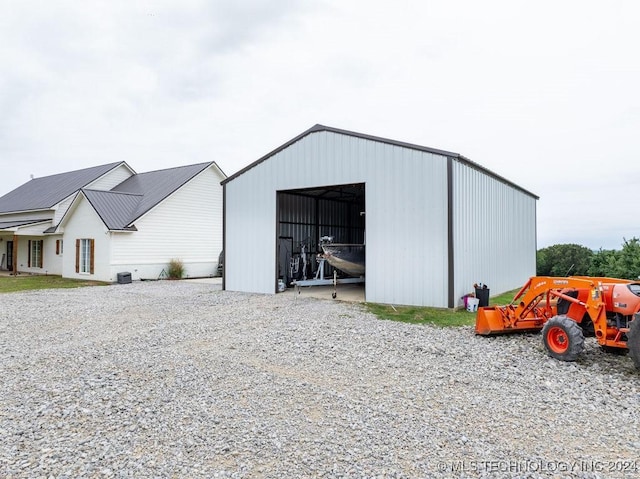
(321, 236)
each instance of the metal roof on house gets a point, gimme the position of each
(135, 196)
(44, 193)
(16, 223)
(319, 128)
(115, 209)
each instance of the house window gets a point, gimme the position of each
(59, 246)
(35, 254)
(85, 255)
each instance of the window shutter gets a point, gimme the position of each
(29, 255)
(77, 256)
(93, 242)
(41, 253)
(57, 246)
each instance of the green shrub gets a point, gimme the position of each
(176, 269)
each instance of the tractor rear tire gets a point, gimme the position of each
(633, 341)
(563, 338)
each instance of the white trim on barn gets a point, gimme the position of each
(435, 221)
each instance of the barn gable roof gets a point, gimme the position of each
(320, 128)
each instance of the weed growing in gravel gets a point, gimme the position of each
(176, 269)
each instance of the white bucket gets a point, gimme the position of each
(472, 304)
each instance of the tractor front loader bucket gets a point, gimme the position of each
(489, 321)
(496, 320)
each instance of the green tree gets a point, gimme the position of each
(627, 264)
(563, 260)
(603, 263)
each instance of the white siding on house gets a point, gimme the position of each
(62, 208)
(29, 215)
(23, 254)
(111, 179)
(84, 223)
(406, 214)
(32, 230)
(494, 232)
(53, 260)
(186, 226)
(22, 249)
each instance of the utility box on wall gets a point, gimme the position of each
(124, 278)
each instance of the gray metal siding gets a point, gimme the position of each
(494, 232)
(250, 236)
(406, 214)
(407, 227)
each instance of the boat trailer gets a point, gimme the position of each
(320, 279)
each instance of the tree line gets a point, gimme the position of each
(577, 260)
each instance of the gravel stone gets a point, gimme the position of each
(181, 379)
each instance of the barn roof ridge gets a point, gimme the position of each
(324, 128)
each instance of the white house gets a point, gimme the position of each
(433, 221)
(97, 222)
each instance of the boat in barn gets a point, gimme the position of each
(348, 258)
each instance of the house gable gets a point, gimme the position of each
(156, 186)
(83, 223)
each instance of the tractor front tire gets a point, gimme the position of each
(633, 341)
(563, 338)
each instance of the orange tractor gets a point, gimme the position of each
(567, 310)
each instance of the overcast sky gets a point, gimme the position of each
(544, 93)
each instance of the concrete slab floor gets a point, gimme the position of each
(345, 292)
(217, 280)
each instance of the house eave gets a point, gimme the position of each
(126, 229)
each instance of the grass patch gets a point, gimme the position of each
(12, 284)
(445, 318)
(504, 298)
(419, 315)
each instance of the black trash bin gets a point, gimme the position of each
(483, 296)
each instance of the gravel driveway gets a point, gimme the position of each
(180, 379)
